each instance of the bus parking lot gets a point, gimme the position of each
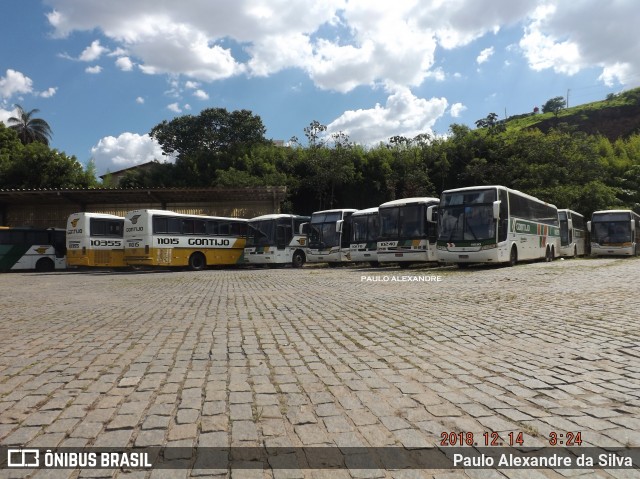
(319, 356)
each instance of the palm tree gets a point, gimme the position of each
(28, 128)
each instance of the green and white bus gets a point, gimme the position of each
(365, 229)
(24, 248)
(408, 231)
(615, 233)
(573, 234)
(495, 224)
(276, 240)
(329, 237)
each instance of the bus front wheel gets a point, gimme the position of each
(513, 256)
(197, 262)
(298, 259)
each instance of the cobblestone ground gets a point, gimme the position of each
(320, 356)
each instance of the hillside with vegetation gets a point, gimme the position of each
(618, 116)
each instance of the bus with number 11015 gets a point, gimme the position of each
(165, 238)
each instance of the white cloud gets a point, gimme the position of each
(457, 109)
(93, 70)
(174, 107)
(49, 92)
(125, 64)
(201, 94)
(192, 85)
(6, 114)
(14, 83)
(128, 149)
(403, 114)
(92, 52)
(344, 44)
(485, 55)
(140, 100)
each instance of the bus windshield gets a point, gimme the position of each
(402, 222)
(365, 228)
(608, 232)
(467, 215)
(261, 233)
(564, 228)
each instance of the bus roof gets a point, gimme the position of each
(367, 211)
(337, 210)
(500, 187)
(182, 215)
(98, 215)
(615, 211)
(570, 211)
(275, 216)
(410, 201)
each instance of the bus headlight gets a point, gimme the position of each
(488, 246)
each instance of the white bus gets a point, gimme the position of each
(95, 240)
(494, 224)
(573, 233)
(165, 238)
(408, 231)
(329, 237)
(615, 233)
(24, 248)
(276, 240)
(365, 228)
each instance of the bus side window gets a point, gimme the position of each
(187, 227)
(174, 226)
(160, 225)
(59, 243)
(224, 229)
(212, 228)
(199, 227)
(116, 228)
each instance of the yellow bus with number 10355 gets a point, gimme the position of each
(165, 238)
(95, 240)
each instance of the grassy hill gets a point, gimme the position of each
(615, 117)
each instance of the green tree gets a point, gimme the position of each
(29, 128)
(554, 105)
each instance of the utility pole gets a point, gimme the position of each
(568, 90)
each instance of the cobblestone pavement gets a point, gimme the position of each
(321, 357)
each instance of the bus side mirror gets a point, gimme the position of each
(431, 214)
(339, 224)
(496, 210)
(589, 226)
(570, 224)
(304, 229)
(633, 226)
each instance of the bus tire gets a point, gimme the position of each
(197, 262)
(45, 265)
(575, 251)
(548, 255)
(298, 259)
(513, 256)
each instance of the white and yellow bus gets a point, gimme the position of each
(494, 224)
(408, 231)
(165, 238)
(615, 233)
(95, 240)
(276, 240)
(329, 237)
(25, 248)
(365, 228)
(573, 234)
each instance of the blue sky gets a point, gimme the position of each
(103, 74)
